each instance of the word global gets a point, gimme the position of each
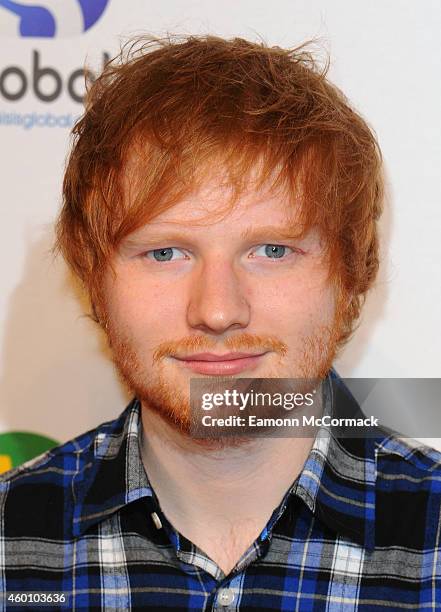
(14, 82)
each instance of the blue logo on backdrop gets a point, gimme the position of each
(56, 18)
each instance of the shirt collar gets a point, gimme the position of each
(111, 473)
(338, 479)
(337, 482)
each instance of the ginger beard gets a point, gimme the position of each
(158, 393)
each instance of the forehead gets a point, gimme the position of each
(217, 203)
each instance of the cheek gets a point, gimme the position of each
(297, 304)
(141, 311)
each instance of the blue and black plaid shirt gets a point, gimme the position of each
(359, 529)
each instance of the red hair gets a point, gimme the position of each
(178, 108)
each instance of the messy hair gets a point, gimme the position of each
(175, 108)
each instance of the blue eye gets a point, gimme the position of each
(161, 254)
(274, 251)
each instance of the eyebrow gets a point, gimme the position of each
(267, 231)
(272, 231)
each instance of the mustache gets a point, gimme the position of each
(233, 343)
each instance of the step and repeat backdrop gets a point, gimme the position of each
(56, 379)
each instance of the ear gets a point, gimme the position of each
(95, 315)
(345, 299)
(98, 313)
(348, 300)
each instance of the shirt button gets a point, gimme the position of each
(156, 520)
(225, 597)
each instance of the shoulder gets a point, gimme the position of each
(408, 492)
(39, 467)
(403, 456)
(56, 464)
(39, 495)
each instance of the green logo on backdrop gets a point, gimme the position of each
(16, 447)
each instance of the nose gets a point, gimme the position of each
(217, 301)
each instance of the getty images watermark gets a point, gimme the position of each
(277, 407)
(285, 407)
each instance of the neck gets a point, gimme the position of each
(196, 485)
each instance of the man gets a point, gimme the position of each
(220, 207)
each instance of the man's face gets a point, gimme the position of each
(191, 281)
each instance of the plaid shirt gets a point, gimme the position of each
(359, 529)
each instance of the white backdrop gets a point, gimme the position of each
(55, 378)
